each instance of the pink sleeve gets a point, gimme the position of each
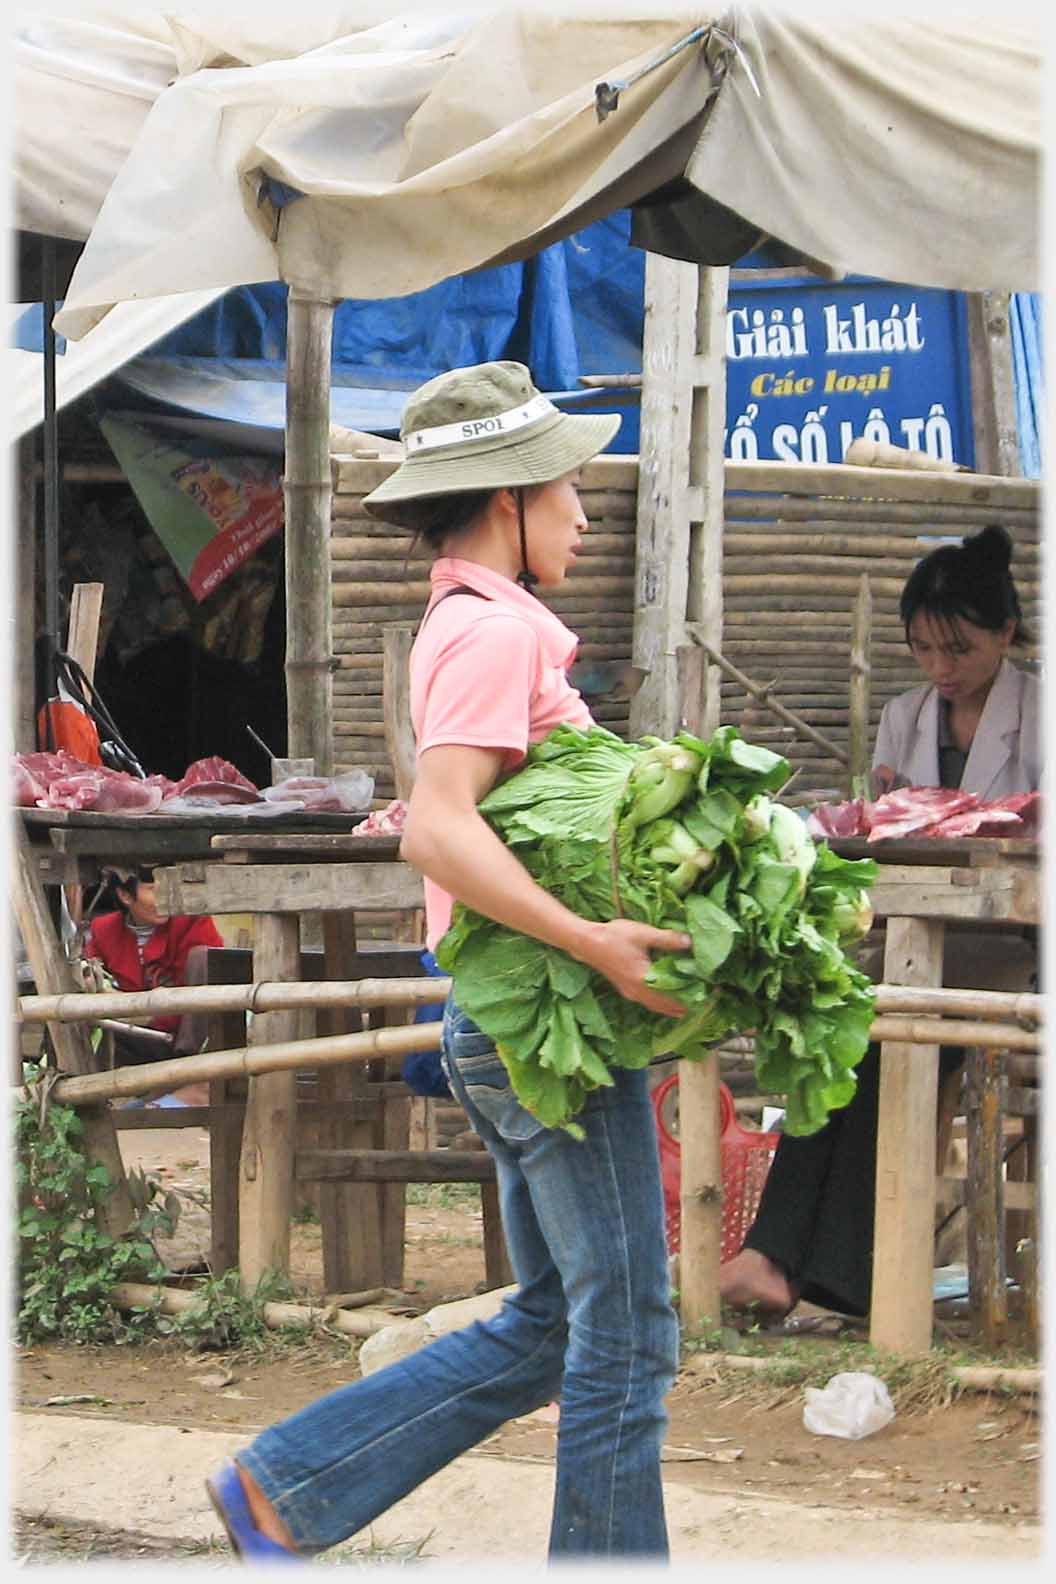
(480, 689)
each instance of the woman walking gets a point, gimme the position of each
(489, 481)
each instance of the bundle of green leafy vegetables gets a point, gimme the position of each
(684, 835)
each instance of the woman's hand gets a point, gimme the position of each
(620, 950)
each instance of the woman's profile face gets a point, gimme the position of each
(959, 658)
(555, 523)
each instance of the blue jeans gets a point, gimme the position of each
(591, 1320)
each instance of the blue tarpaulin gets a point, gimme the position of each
(574, 309)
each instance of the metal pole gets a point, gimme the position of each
(51, 447)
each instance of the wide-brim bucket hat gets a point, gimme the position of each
(483, 428)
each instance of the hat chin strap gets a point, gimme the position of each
(526, 578)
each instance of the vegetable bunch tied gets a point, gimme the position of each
(685, 835)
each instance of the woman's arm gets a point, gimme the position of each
(447, 839)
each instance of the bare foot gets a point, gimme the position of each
(263, 1513)
(752, 1280)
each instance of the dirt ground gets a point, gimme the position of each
(976, 1457)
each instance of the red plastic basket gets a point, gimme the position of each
(746, 1158)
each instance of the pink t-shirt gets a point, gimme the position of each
(488, 673)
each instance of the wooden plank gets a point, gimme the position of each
(394, 1166)
(1018, 1196)
(288, 888)
(937, 849)
(345, 845)
(901, 1315)
(1012, 898)
(985, 1198)
(86, 609)
(266, 1169)
(898, 484)
(52, 975)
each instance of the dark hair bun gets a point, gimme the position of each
(992, 548)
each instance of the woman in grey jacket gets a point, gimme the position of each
(974, 724)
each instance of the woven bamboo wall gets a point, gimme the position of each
(791, 570)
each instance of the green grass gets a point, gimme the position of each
(444, 1196)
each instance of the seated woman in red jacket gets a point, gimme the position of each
(143, 950)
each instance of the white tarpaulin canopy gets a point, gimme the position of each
(373, 161)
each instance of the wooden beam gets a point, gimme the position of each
(349, 1214)
(994, 426)
(266, 1170)
(394, 1166)
(903, 1245)
(198, 888)
(307, 491)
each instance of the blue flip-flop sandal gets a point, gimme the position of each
(229, 1499)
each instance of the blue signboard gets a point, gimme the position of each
(812, 365)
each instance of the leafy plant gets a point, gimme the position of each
(67, 1261)
(225, 1317)
(687, 836)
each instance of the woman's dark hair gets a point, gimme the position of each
(109, 901)
(441, 515)
(970, 582)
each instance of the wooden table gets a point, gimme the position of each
(924, 885)
(71, 847)
(279, 876)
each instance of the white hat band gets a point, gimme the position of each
(472, 429)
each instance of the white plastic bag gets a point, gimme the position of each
(851, 1405)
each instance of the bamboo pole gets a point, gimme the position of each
(244, 1062)
(861, 675)
(171, 1301)
(927, 1031)
(1023, 1007)
(762, 694)
(264, 996)
(973, 1377)
(307, 492)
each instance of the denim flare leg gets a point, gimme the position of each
(591, 1321)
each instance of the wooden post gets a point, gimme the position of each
(984, 1194)
(396, 706)
(307, 490)
(993, 386)
(903, 1245)
(858, 744)
(707, 477)
(349, 1213)
(678, 575)
(73, 1053)
(266, 1175)
(663, 538)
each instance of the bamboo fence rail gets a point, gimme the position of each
(797, 541)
